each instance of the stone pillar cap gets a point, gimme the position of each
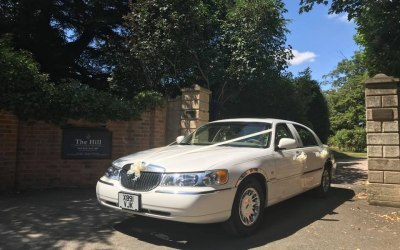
(381, 78)
(196, 87)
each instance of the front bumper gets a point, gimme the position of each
(184, 204)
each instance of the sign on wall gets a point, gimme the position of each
(86, 143)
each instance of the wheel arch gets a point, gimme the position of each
(257, 174)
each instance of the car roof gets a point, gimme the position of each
(266, 120)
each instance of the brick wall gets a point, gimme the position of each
(382, 104)
(174, 118)
(31, 151)
(38, 164)
(8, 149)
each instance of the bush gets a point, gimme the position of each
(30, 94)
(350, 140)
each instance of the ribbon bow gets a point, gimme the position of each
(136, 168)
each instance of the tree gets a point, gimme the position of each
(314, 104)
(346, 103)
(379, 33)
(378, 30)
(293, 98)
(273, 98)
(70, 38)
(346, 100)
(30, 94)
(223, 45)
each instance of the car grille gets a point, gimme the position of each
(146, 182)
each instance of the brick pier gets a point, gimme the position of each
(382, 104)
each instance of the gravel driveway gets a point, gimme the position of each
(72, 219)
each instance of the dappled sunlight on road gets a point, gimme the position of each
(54, 219)
(73, 219)
(281, 221)
(351, 172)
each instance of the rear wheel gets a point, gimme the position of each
(325, 185)
(247, 210)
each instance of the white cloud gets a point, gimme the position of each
(302, 57)
(341, 18)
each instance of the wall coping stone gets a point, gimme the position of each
(196, 88)
(381, 78)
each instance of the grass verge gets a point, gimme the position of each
(342, 155)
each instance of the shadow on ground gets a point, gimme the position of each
(281, 221)
(56, 219)
(49, 219)
(66, 218)
(349, 173)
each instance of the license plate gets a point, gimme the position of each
(129, 201)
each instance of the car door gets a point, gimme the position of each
(314, 163)
(288, 168)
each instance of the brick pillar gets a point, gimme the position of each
(382, 104)
(195, 107)
(8, 149)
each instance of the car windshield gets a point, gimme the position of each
(213, 133)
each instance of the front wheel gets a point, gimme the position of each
(247, 209)
(325, 185)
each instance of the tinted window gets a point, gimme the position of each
(306, 136)
(282, 131)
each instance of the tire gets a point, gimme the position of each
(325, 186)
(245, 220)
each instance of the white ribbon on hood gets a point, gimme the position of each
(140, 165)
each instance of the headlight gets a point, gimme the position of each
(208, 178)
(113, 173)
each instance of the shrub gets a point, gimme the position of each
(30, 94)
(350, 140)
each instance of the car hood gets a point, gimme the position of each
(180, 158)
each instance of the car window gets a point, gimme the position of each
(306, 136)
(282, 131)
(213, 133)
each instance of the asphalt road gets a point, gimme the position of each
(72, 219)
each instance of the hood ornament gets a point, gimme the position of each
(136, 168)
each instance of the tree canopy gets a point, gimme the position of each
(68, 38)
(346, 99)
(223, 45)
(111, 59)
(30, 94)
(313, 103)
(378, 30)
(346, 103)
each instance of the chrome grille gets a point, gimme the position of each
(146, 182)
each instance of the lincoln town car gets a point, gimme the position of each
(226, 171)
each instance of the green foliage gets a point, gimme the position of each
(350, 140)
(70, 38)
(352, 7)
(21, 84)
(313, 104)
(378, 30)
(346, 100)
(298, 99)
(274, 99)
(346, 103)
(224, 45)
(30, 94)
(76, 100)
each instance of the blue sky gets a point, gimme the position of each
(318, 40)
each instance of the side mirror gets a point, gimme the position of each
(287, 143)
(179, 139)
